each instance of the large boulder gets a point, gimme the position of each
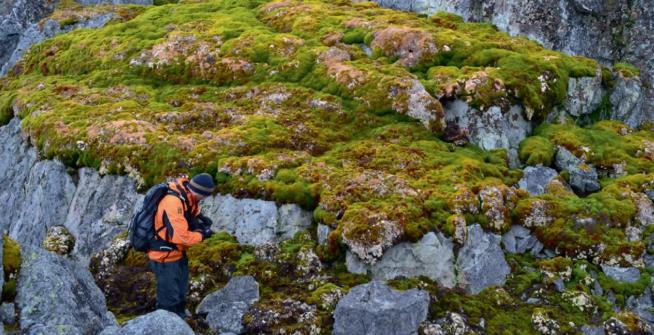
(58, 296)
(159, 322)
(489, 129)
(101, 209)
(481, 261)
(432, 257)
(642, 305)
(583, 177)
(253, 221)
(536, 179)
(225, 308)
(375, 308)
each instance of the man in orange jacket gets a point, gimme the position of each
(177, 226)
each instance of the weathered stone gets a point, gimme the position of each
(642, 305)
(57, 294)
(481, 261)
(489, 129)
(584, 94)
(8, 313)
(59, 240)
(114, 2)
(101, 209)
(536, 179)
(583, 177)
(431, 257)
(225, 308)
(497, 202)
(323, 232)
(375, 308)
(629, 275)
(159, 322)
(592, 330)
(254, 221)
(48, 192)
(627, 101)
(520, 240)
(543, 324)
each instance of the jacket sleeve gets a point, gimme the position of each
(177, 228)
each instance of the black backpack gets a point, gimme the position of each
(141, 230)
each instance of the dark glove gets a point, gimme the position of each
(205, 221)
(206, 233)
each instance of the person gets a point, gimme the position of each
(179, 224)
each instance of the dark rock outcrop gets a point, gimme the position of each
(225, 308)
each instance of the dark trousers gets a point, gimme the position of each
(172, 285)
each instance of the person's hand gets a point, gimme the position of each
(206, 222)
(206, 233)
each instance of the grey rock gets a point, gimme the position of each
(584, 94)
(159, 322)
(225, 308)
(57, 294)
(15, 17)
(627, 101)
(629, 275)
(642, 305)
(16, 161)
(536, 179)
(481, 261)
(489, 129)
(559, 285)
(255, 222)
(592, 330)
(432, 257)
(323, 232)
(597, 289)
(583, 177)
(46, 197)
(520, 240)
(8, 313)
(375, 308)
(614, 326)
(650, 194)
(101, 209)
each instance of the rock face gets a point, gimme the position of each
(114, 2)
(375, 308)
(15, 17)
(57, 296)
(255, 222)
(432, 257)
(489, 129)
(584, 95)
(44, 195)
(101, 209)
(610, 31)
(536, 179)
(481, 261)
(225, 308)
(583, 177)
(627, 101)
(159, 322)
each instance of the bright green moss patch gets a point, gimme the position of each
(626, 70)
(536, 150)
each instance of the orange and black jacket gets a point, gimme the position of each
(172, 223)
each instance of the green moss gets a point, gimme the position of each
(11, 262)
(627, 70)
(536, 150)
(6, 108)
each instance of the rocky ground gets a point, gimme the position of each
(379, 171)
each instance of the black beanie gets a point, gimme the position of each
(202, 184)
